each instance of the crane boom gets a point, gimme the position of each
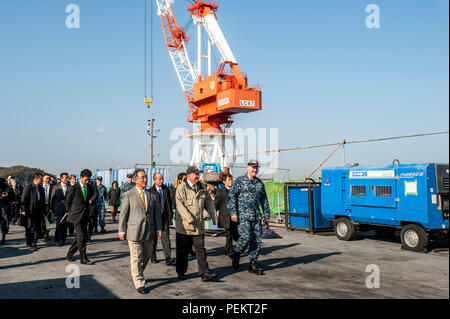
(213, 99)
(176, 40)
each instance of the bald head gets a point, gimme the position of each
(158, 179)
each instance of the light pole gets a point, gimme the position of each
(151, 132)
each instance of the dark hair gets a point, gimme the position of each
(72, 176)
(181, 175)
(154, 175)
(86, 173)
(135, 174)
(36, 176)
(115, 182)
(63, 174)
(225, 176)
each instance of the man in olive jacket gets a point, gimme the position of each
(192, 199)
(140, 220)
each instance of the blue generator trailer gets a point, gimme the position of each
(411, 197)
(303, 207)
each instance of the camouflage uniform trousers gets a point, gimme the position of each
(101, 215)
(249, 235)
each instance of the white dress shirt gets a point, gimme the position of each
(140, 196)
(192, 185)
(64, 188)
(47, 191)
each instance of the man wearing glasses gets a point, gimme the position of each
(139, 220)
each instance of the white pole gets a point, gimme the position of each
(209, 57)
(199, 57)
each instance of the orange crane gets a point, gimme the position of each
(213, 97)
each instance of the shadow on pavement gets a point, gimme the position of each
(98, 257)
(55, 289)
(272, 264)
(219, 251)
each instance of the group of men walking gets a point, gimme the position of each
(147, 214)
(145, 217)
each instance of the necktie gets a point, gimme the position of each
(161, 199)
(143, 200)
(46, 193)
(84, 192)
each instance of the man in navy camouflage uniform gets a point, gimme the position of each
(102, 199)
(246, 194)
(127, 186)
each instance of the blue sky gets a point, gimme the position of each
(73, 98)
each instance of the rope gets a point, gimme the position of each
(145, 48)
(438, 252)
(335, 144)
(151, 49)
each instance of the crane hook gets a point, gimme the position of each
(149, 102)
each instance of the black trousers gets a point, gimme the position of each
(231, 234)
(165, 240)
(4, 219)
(184, 246)
(80, 240)
(61, 230)
(15, 213)
(70, 228)
(92, 223)
(31, 235)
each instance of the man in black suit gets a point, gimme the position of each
(93, 211)
(4, 222)
(77, 204)
(32, 210)
(221, 201)
(57, 206)
(165, 206)
(16, 196)
(48, 214)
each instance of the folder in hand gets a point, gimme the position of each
(64, 218)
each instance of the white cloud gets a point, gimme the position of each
(101, 129)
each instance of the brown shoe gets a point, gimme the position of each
(208, 277)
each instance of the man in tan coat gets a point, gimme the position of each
(140, 219)
(192, 200)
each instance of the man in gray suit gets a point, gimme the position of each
(140, 218)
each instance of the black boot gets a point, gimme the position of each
(235, 257)
(253, 269)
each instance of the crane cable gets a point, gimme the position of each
(146, 100)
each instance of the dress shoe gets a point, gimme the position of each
(253, 269)
(103, 230)
(208, 277)
(170, 261)
(181, 277)
(153, 260)
(142, 290)
(87, 262)
(235, 256)
(59, 244)
(70, 258)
